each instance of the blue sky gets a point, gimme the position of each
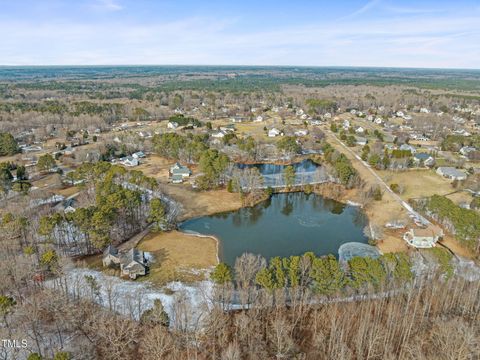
(439, 34)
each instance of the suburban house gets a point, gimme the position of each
(218, 134)
(406, 147)
(424, 158)
(69, 150)
(133, 263)
(144, 134)
(423, 237)
(172, 125)
(111, 256)
(129, 161)
(301, 132)
(69, 205)
(274, 132)
(139, 155)
(466, 150)
(178, 173)
(361, 140)
(228, 128)
(238, 119)
(451, 173)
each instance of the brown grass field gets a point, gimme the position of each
(177, 254)
(418, 183)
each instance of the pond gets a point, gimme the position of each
(306, 172)
(286, 224)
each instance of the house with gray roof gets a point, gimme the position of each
(407, 147)
(451, 173)
(178, 173)
(133, 263)
(424, 158)
(111, 256)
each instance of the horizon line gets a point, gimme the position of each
(236, 65)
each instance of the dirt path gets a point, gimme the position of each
(134, 240)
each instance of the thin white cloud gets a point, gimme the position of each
(107, 5)
(369, 5)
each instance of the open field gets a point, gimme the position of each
(418, 183)
(156, 166)
(69, 191)
(178, 255)
(199, 203)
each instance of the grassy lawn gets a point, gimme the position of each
(178, 256)
(199, 203)
(69, 191)
(418, 183)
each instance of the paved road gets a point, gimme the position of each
(403, 203)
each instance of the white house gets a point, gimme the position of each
(172, 125)
(467, 150)
(462, 132)
(129, 161)
(424, 158)
(361, 141)
(259, 118)
(139, 155)
(301, 132)
(360, 130)
(423, 238)
(407, 147)
(451, 173)
(273, 132)
(218, 134)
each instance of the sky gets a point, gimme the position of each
(386, 33)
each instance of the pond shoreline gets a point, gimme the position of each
(318, 216)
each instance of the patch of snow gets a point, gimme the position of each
(185, 304)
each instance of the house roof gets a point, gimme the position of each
(177, 177)
(178, 169)
(110, 250)
(422, 156)
(451, 172)
(133, 255)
